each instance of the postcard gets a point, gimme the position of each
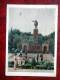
(31, 40)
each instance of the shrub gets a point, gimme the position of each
(10, 64)
(45, 65)
(27, 66)
(50, 66)
(33, 62)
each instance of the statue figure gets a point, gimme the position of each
(35, 23)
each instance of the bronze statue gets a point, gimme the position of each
(35, 23)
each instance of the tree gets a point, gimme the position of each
(10, 40)
(52, 41)
(13, 39)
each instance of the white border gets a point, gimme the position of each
(45, 73)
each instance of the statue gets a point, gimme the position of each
(35, 23)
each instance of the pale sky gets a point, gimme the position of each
(21, 18)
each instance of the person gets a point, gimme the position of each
(15, 62)
(41, 56)
(37, 57)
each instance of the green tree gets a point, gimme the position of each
(13, 39)
(10, 40)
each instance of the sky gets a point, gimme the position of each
(21, 18)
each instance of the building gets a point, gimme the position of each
(32, 44)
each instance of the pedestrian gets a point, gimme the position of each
(15, 62)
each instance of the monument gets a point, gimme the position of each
(35, 32)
